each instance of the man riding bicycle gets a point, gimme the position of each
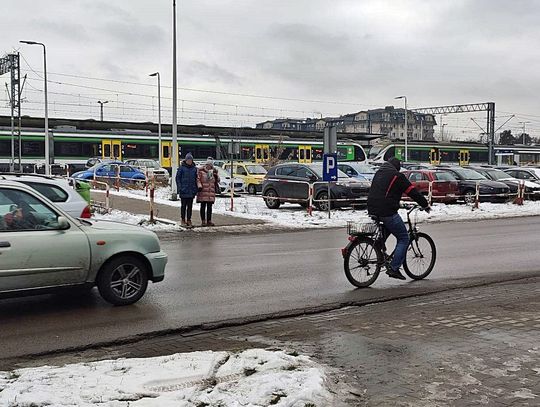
(387, 187)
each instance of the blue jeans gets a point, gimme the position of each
(395, 225)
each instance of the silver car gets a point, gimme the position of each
(42, 248)
(161, 174)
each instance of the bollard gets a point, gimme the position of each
(152, 189)
(430, 193)
(521, 193)
(477, 196)
(310, 200)
(117, 182)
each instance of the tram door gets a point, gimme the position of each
(166, 156)
(262, 153)
(435, 156)
(304, 154)
(111, 149)
(464, 157)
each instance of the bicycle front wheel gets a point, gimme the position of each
(421, 256)
(362, 262)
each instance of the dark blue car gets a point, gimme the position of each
(109, 169)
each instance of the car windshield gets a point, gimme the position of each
(150, 164)
(465, 173)
(256, 169)
(318, 169)
(443, 176)
(497, 175)
(365, 169)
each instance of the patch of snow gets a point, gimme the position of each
(250, 378)
(294, 216)
(126, 217)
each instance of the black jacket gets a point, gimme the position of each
(387, 187)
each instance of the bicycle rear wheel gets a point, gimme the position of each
(421, 256)
(362, 262)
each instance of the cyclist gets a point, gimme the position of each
(387, 187)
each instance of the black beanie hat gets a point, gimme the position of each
(395, 162)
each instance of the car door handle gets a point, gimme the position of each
(4, 244)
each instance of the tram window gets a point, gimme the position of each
(116, 150)
(137, 151)
(107, 151)
(391, 152)
(342, 153)
(359, 154)
(5, 147)
(308, 154)
(265, 153)
(302, 154)
(33, 148)
(166, 153)
(419, 155)
(478, 156)
(318, 154)
(450, 156)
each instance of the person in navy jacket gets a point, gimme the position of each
(186, 184)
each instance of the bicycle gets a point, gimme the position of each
(366, 252)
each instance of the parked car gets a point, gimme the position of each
(128, 174)
(490, 191)
(161, 175)
(225, 183)
(43, 248)
(252, 174)
(498, 175)
(361, 171)
(277, 187)
(415, 166)
(444, 188)
(525, 173)
(99, 160)
(57, 190)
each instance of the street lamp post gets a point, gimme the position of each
(406, 128)
(101, 103)
(48, 143)
(174, 146)
(523, 134)
(159, 113)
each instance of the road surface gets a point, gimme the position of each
(215, 277)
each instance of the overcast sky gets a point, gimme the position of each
(360, 53)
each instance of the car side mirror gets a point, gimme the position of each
(63, 223)
(313, 178)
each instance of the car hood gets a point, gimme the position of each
(110, 231)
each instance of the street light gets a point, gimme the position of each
(523, 134)
(406, 127)
(174, 143)
(101, 107)
(159, 112)
(48, 143)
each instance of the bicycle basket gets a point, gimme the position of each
(361, 228)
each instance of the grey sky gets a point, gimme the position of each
(358, 52)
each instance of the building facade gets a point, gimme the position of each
(388, 121)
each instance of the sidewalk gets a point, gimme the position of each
(466, 347)
(139, 206)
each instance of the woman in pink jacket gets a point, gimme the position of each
(208, 184)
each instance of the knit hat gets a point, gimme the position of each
(189, 156)
(395, 162)
(210, 161)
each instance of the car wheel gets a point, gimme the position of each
(123, 280)
(140, 183)
(252, 189)
(322, 201)
(470, 196)
(272, 199)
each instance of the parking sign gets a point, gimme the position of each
(330, 169)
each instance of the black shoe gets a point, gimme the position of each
(395, 274)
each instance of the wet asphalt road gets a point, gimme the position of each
(218, 277)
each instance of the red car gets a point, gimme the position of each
(445, 186)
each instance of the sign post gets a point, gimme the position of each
(234, 148)
(330, 173)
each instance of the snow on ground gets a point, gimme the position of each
(250, 378)
(126, 217)
(294, 216)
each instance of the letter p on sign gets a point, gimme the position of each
(330, 169)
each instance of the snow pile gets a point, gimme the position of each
(294, 216)
(250, 378)
(126, 217)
